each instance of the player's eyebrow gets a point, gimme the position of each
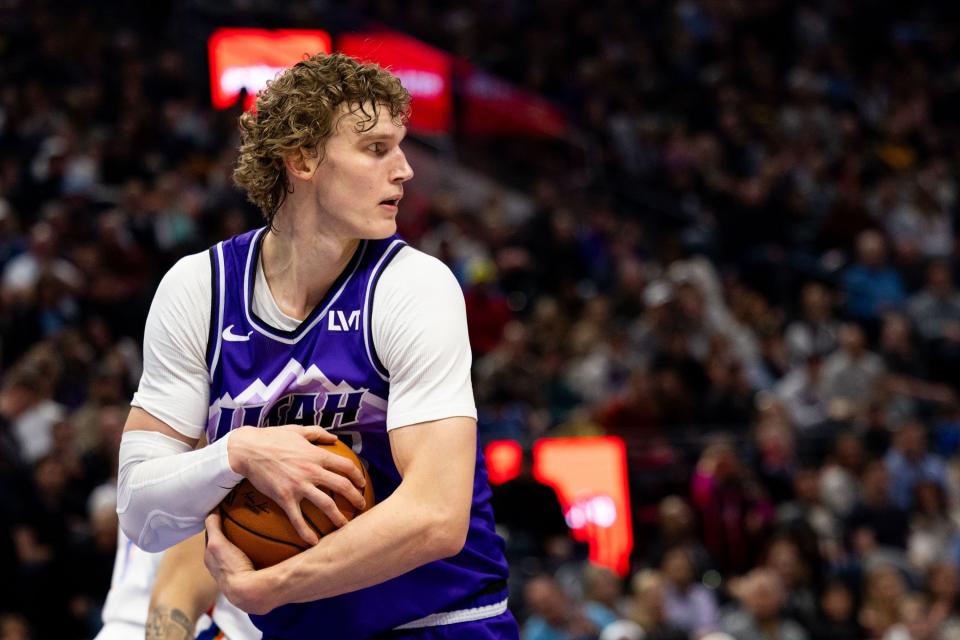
(372, 136)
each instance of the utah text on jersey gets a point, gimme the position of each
(296, 396)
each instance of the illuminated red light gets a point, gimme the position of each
(504, 459)
(590, 477)
(248, 58)
(492, 106)
(423, 70)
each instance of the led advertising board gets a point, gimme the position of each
(248, 58)
(424, 70)
(590, 477)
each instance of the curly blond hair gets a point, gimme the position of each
(299, 110)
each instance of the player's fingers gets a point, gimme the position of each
(292, 508)
(345, 467)
(318, 435)
(212, 526)
(326, 504)
(341, 485)
(213, 534)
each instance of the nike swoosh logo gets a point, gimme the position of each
(229, 336)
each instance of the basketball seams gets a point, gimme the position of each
(307, 507)
(225, 515)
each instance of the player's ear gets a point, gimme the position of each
(302, 163)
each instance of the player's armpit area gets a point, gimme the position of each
(140, 420)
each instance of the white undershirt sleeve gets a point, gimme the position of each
(165, 489)
(419, 330)
(175, 385)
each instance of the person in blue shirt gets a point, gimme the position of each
(556, 616)
(871, 285)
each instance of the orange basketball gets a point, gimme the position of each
(261, 529)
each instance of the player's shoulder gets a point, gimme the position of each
(191, 266)
(188, 278)
(413, 263)
(414, 273)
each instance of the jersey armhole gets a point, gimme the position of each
(216, 309)
(378, 270)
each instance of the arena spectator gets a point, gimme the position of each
(603, 587)
(935, 309)
(852, 374)
(649, 609)
(885, 593)
(815, 331)
(784, 557)
(733, 512)
(876, 521)
(838, 486)
(760, 595)
(556, 617)
(871, 285)
(689, 606)
(803, 393)
(909, 462)
(837, 614)
(943, 585)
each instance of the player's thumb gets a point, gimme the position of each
(211, 526)
(317, 435)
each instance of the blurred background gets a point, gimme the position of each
(708, 252)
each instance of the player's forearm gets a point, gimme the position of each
(169, 623)
(183, 584)
(192, 603)
(401, 533)
(165, 489)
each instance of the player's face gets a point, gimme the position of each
(359, 182)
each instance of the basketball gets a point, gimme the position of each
(261, 529)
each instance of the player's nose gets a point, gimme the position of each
(403, 171)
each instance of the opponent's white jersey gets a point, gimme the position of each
(128, 601)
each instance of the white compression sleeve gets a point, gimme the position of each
(165, 490)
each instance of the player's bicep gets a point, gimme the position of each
(436, 460)
(140, 420)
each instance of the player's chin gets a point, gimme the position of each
(382, 227)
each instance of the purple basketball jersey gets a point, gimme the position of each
(326, 372)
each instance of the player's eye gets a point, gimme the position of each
(378, 148)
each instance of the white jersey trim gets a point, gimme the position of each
(249, 268)
(453, 617)
(367, 310)
(219, 328)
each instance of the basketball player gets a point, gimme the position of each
(135, 573)
(322, 324)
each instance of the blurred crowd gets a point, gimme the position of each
(742, 263)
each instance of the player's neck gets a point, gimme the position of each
(300, 265)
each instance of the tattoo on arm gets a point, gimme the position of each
(168, 624)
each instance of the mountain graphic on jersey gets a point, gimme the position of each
(296, 396)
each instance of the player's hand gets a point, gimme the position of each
(283, 464)
(232, 570)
